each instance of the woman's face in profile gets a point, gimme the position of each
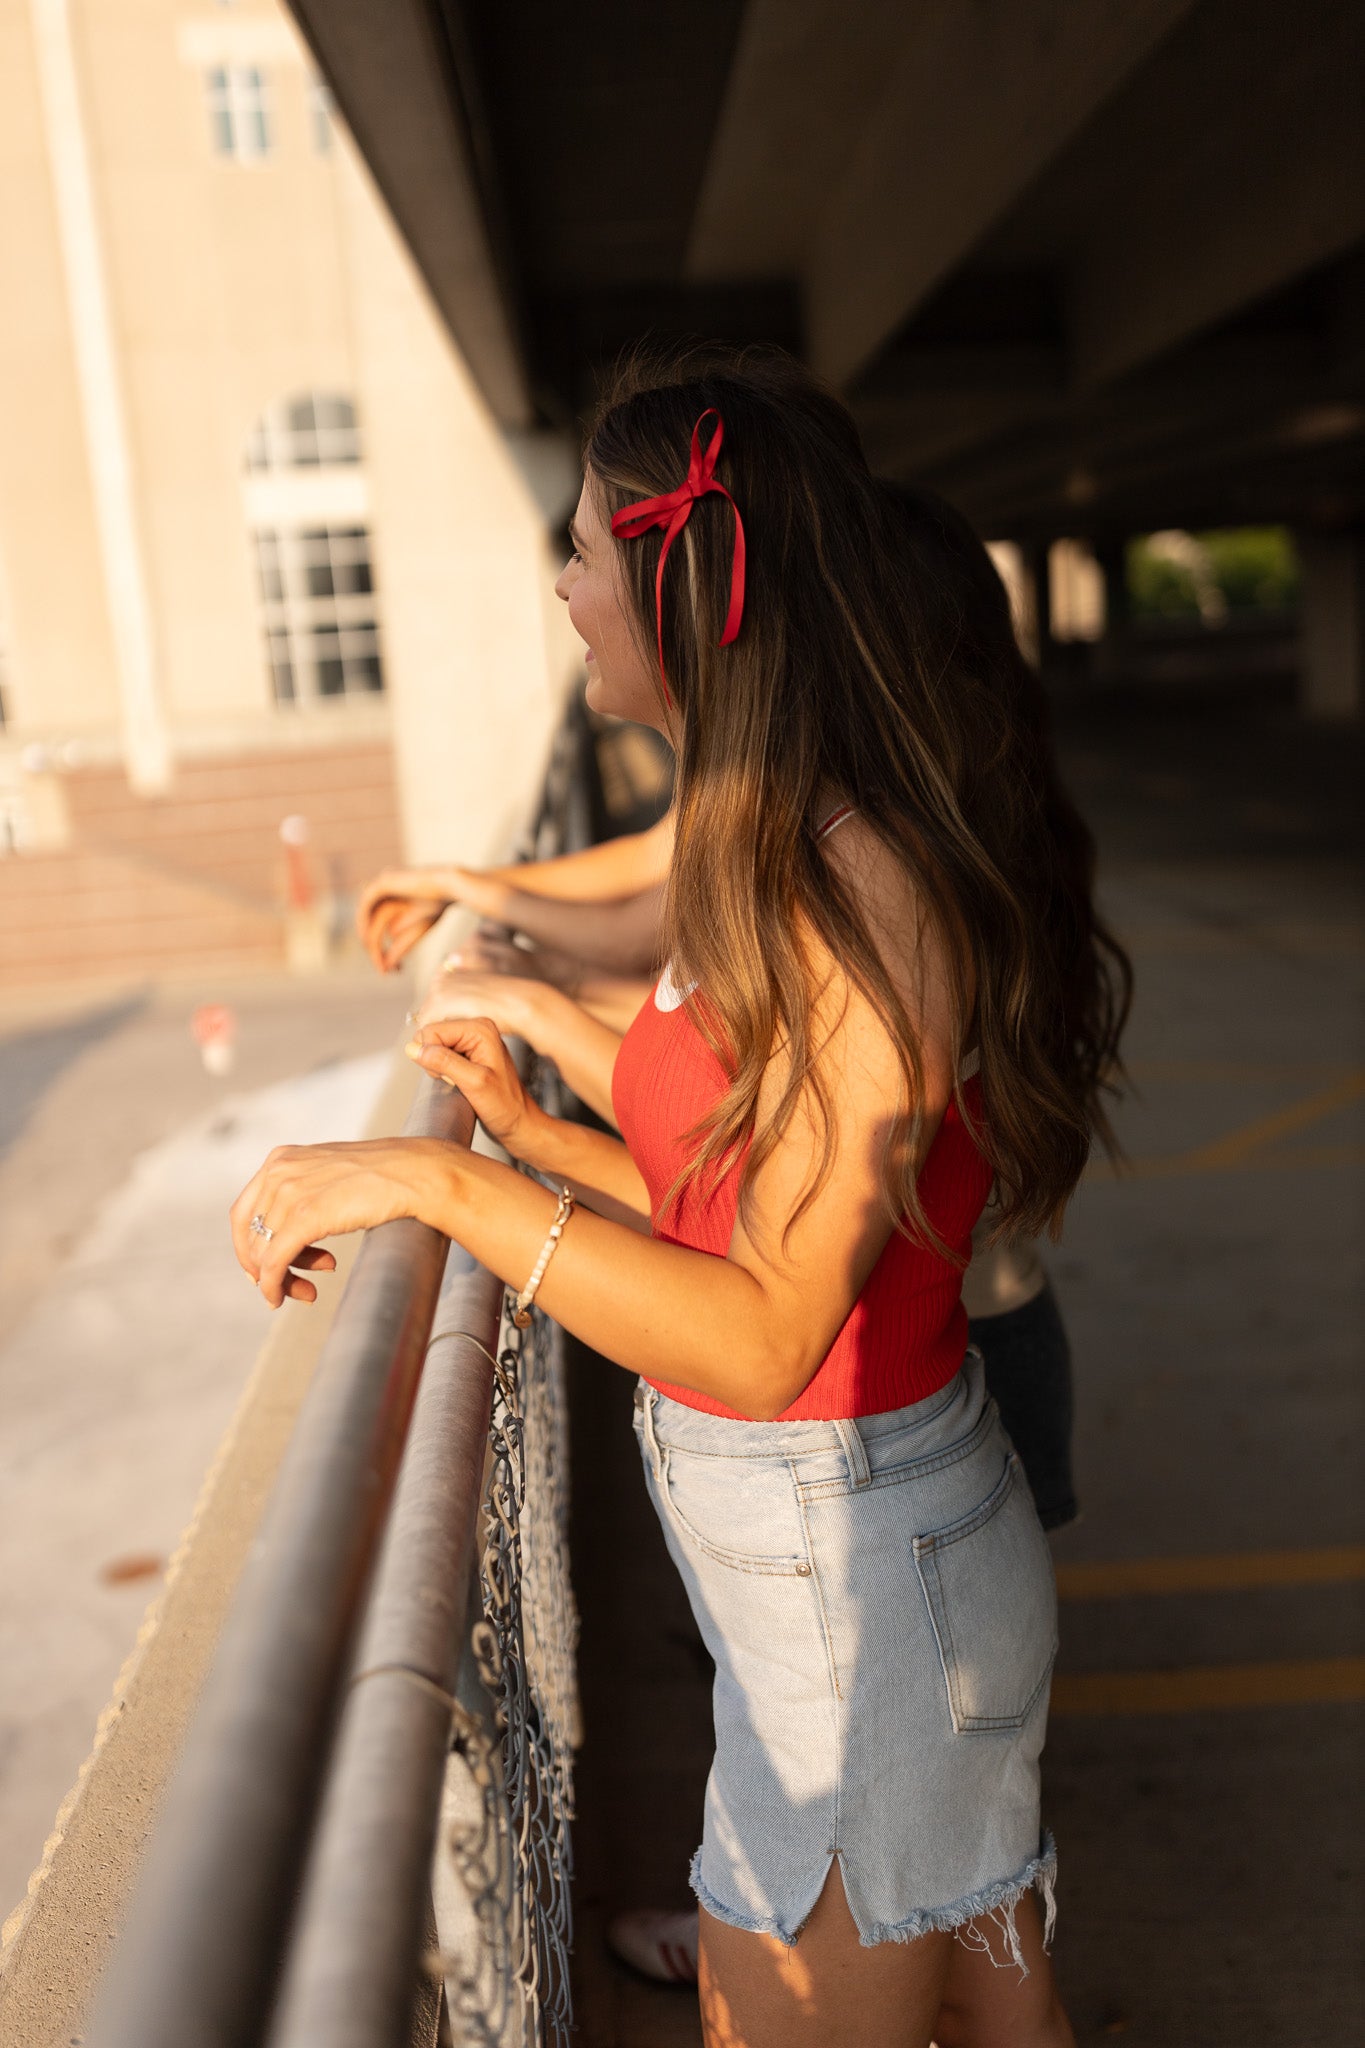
(622, 678)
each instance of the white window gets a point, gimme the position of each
(307, 507)
(239, 111)
(318, 608)
(312, 431)
(321, 109)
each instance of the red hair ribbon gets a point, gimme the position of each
(672, 511)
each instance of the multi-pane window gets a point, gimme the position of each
(317, 596)
(239, 112)
(306, 503)
(309, 432)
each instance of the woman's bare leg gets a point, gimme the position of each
(827, 1992)
(831, 1992)
(988, 2004)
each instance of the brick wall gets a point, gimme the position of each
(194, 878)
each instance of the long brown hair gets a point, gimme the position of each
(877, 659)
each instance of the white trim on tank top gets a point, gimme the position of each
(667, 994)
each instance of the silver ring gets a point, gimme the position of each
(260, 1228)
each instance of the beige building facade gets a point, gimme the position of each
(252, 507)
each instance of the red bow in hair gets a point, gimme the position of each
(672, 511)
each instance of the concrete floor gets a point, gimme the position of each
(1211, 1880)
(1211, 1854)
(126, 1329)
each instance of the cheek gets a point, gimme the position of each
(622, 682)
(595, 613)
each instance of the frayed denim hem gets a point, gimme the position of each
(996, 1902)
(730, 1917)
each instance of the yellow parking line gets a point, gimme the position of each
(1246, 1147)
(1229, 1151)
(1234, 1571)
(1307, 1682)
(1287, 1159)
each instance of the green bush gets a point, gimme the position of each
(1158, 589)
(1254, 568)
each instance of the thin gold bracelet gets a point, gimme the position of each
(521, 1310)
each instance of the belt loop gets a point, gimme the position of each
(651, 1395)
(855, 1451)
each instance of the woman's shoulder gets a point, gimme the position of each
(899, 923)
(873, 871)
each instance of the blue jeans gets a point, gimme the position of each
(879, 1601)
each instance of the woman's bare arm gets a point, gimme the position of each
(613, 999)
(401, 904)
(596, 874)
(749, 1329)
(551, 1023)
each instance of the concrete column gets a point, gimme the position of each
(1332, 674)
(1077, 591)
(1111, 649)
(476, 668)
(1036, 635)
(145, 742)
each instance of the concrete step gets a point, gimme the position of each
(193, 878)
(76, 914)
(220, 819)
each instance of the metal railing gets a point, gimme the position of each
(396, 1677)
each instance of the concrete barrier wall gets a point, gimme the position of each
(57, 1941)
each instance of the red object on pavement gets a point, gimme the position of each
(214, 1028)
(213, 1024)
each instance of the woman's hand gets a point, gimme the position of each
(307, 1192)
(470, 1055)
(507, 1000)
(401, 905)
(396, 909)
(489, 948)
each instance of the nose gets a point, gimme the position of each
(565, 582)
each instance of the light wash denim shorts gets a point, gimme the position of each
(879, 1600)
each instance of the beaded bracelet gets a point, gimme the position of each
(521, 1309)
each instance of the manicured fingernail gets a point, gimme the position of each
(413, 1050)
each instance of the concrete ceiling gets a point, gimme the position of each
(1084, 268)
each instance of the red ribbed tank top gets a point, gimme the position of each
(905, 1335)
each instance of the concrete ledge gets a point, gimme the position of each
(55, 1944)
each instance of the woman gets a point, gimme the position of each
(885, 992)
(594, 918)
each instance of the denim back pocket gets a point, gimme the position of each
(743, 1512)
(992, 1598)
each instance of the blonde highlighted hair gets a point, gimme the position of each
(876, 658)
